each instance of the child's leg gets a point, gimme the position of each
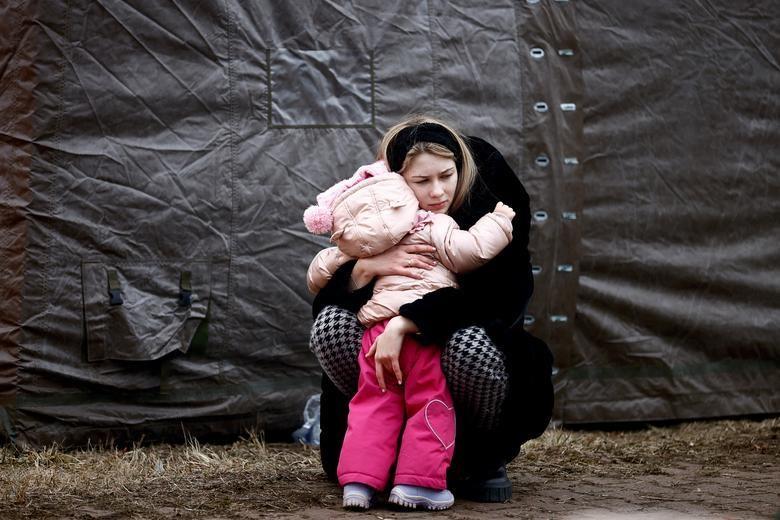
(428, 441)
(374, 424)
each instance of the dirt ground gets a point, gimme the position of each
(712, 470)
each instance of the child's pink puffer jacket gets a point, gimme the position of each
(382, 211)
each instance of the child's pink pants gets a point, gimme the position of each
(420, 412)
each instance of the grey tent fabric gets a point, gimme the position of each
(145, 144)
(678, 285)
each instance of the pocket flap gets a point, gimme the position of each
(139, 311)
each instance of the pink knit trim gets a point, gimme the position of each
(327, 197)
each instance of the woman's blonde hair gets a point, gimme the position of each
(468, 169)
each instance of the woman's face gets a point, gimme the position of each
(433, 180)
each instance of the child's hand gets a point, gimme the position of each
(503, 209)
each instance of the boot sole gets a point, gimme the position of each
(415, 501)
(356, 503)
(486, 493)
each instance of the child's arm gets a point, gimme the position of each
(462, 251)
(323, 266)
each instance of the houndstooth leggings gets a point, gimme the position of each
(473, 366)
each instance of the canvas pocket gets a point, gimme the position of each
(140, 311)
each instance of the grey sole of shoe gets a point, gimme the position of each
(355, 504)
(413, 502)
(355, 508)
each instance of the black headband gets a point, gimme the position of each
(422, 133)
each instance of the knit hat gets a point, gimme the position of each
(367, 213)
(319, 219)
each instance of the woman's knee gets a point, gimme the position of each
(471, 354)
(335, 341)
(335, 329)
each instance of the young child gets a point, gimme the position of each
(369, 213)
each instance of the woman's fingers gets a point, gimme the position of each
(386, 350)
(422, 262)
(386, 364)
(422, 258)
(416, 257)
(390, 365)
(372, 350)
(419, 249)
(402, 259)
(413, 267)
(380, 375)
(397, 371)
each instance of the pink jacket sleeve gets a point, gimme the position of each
(461, 251)
(323, 266)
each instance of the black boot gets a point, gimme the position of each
(493, 487)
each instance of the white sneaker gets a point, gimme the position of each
(357, 496)
(413, 496)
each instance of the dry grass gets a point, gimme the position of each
(648, 451)
(195, 480)
(160, 480)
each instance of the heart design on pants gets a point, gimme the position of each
(440, 419)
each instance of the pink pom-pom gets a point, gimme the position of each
(318, 220)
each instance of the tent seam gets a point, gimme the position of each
(231, 170)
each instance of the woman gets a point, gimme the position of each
(498, 374)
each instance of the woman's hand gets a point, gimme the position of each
(404, 260)
(386, 349)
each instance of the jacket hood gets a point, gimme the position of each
(373, 215)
